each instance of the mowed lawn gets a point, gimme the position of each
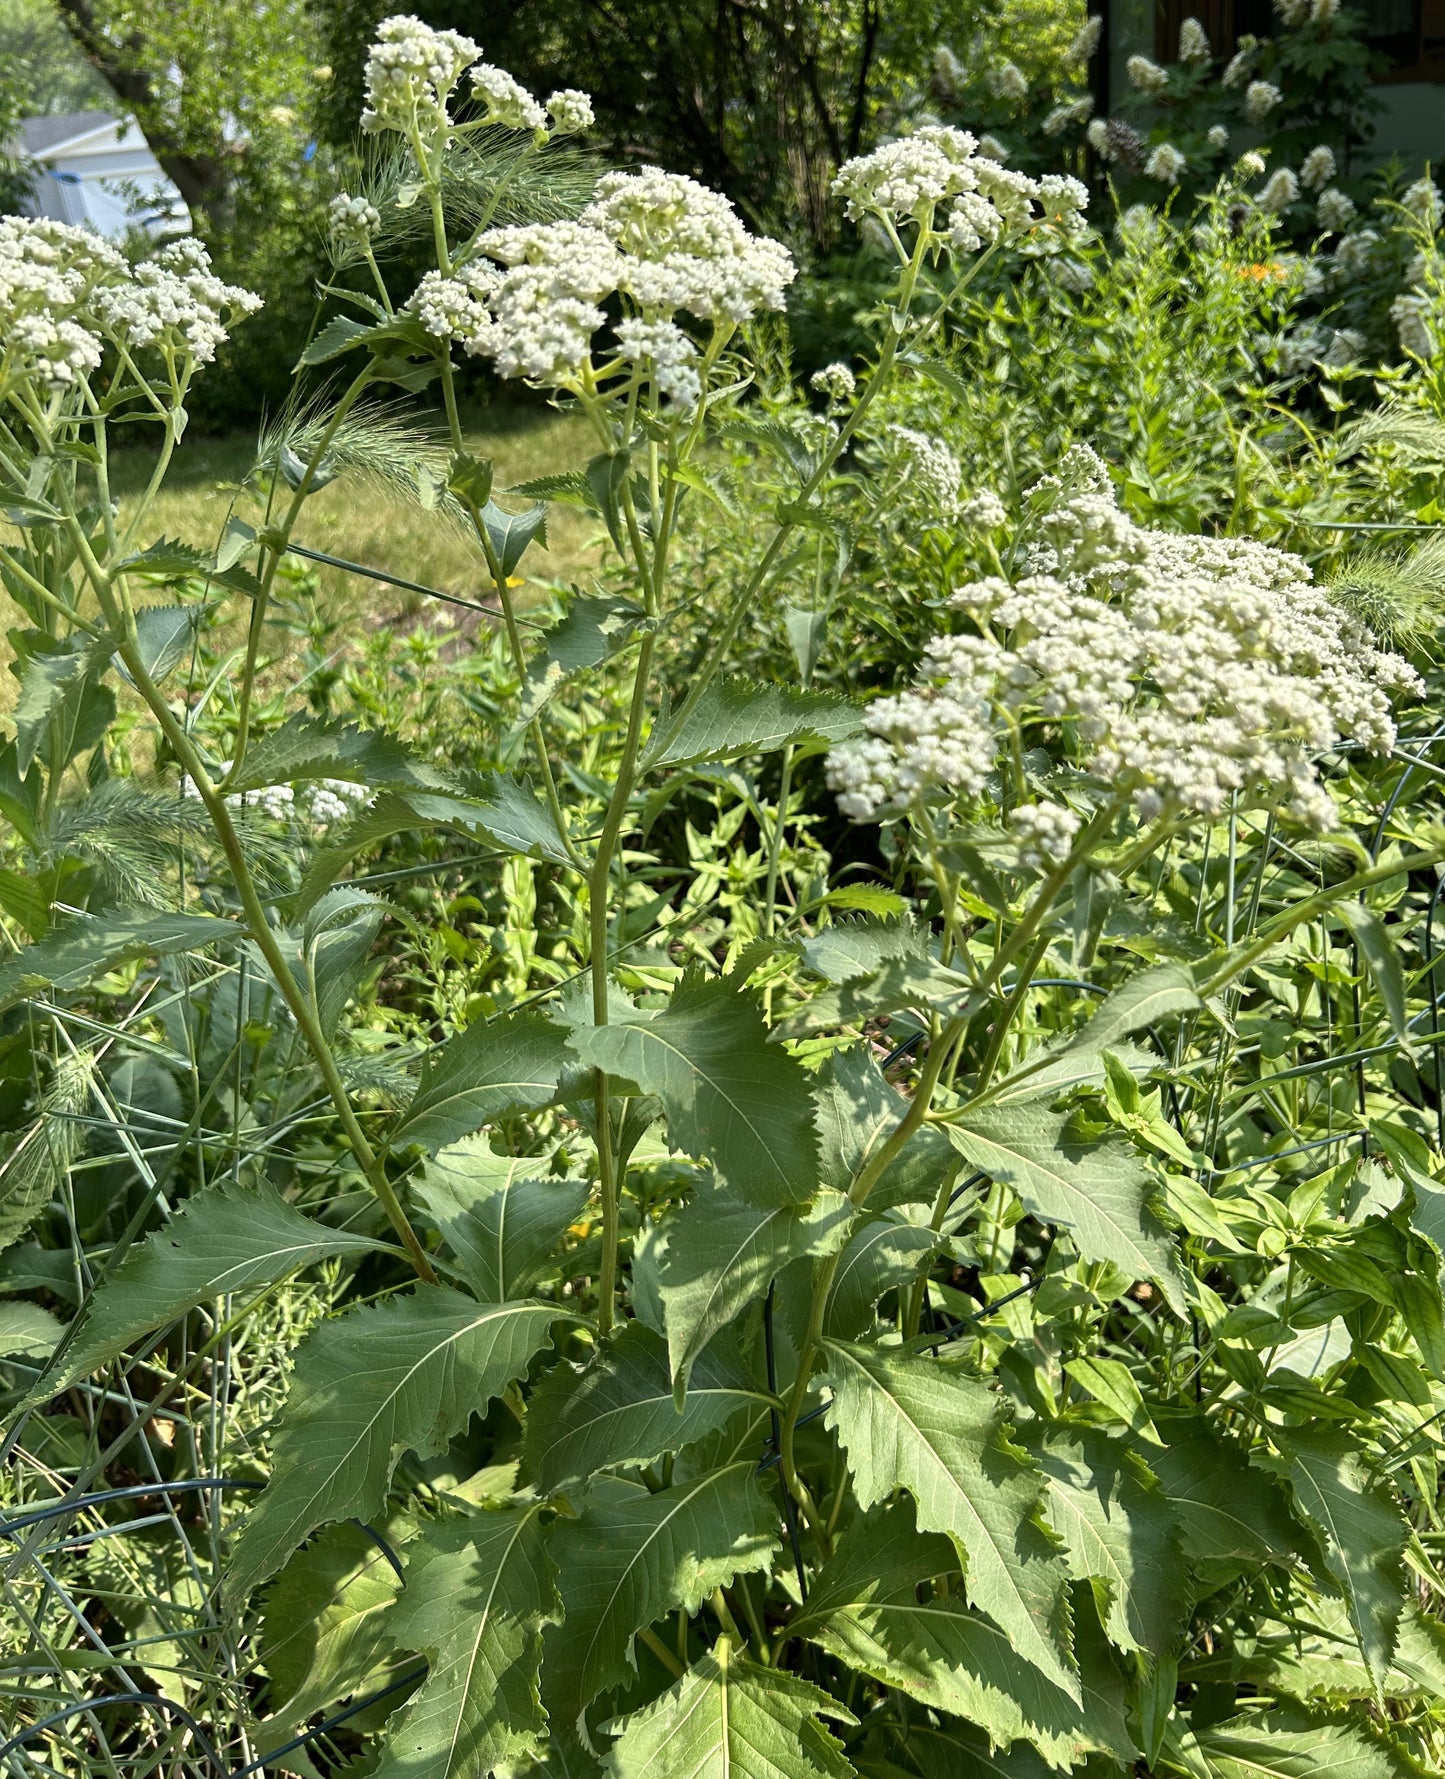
(367, 521)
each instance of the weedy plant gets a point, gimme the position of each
(979, 1315)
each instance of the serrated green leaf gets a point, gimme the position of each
(630, 1557)
(402, 1375)
(855, 1112)
(723, 1252)
(726, 1094)
(899, 982)
(1326, 1663)
(1119, 1532)
(37, 1161)
(225, 1239)
(1151, 995)
(502, 1215)
(44, 680)
(728, 1719)
(1361, 1527)
(27, 1331)
(1111, 1383)
(1228, 1511)
(1287, 1743)
(509, 813)
(951, 1750)
(920, 1424)
(73, 953)
(339, 335)
(851, 948)
(324, 1628)
(496, 1066)
(478, 1592)
(1098, 1191)
(164, 633)
(592, 630)
(620, 1410)
(316, 747)
(864, 1608)
(510, 534)
(883, 1252)
(735, 717)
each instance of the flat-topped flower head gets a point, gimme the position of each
(660, 242)
(1175, 672)
(411, 72)
(939, 180)
(176, 303)
(353, 220)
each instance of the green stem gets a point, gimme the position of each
(866, 1179)
(775, 841)
(598, 884)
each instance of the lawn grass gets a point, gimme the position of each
(367, 522)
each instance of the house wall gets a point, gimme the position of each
(93, 182)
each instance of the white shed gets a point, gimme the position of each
(98, 170)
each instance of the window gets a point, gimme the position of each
(1410, 33)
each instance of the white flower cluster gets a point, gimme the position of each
(1260, 98)
(1146, 76)
(571, 111)
(352, 219)
(1299, 12)
(49, 272)
(1165, 163)
(984, 510)
(931, 472)
(1422, 200)
(508, 102)
(1217, 136)
(1416, 319)
(64, 293)
(411, 72)
(1281, 190)
(1237, 69)
(326, 801)
(1069, 116)
(661, 241)
(835, 381)
(941, 169)
(1086, 41)
(1193, 43)
(1354, 253)
(1007, 81)
(176, 303)
(1045, 833)
(1334, 211)
(1318, 168)
(1181, 671)
(665, 349)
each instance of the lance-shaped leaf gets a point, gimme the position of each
(326, 1628)
(722, 1255)
(726, 1093)
(502, 1215)
(620, 1408)
(949, 1750)
(1119, 1532)
(478, 1592)
(1362, 1529)
(734, 717)
(1098, 1191)
(1381, 953)
(320, 747)
(856, 1111)
(393, 1377)
(27, 1331)
(72, 955)
(864, 1607)
(493, 1067)
(919, 1424)
(1289, 1743)
(226, 1239)
(729, 1719)
(1149, 996)
(630, 1557)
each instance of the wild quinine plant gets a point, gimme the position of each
(730, 1388)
